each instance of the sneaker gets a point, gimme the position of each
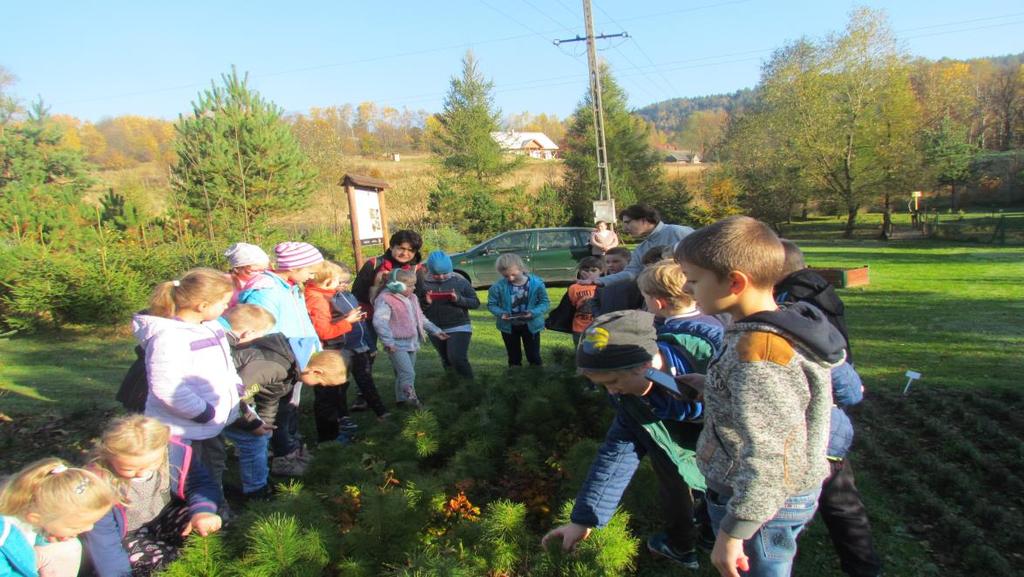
(347, 424)
(264, 493)
(293, 464)
(359, 405)
(658, 544)
(345, 438)
(384, 416)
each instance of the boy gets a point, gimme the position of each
(330, 405)
(840, 504)
(616, 259)
(581, 295)
(618, 351)
(767, 398)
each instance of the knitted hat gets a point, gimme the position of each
(244, 254)
(618, 340)
(439, 263)
(293, 255)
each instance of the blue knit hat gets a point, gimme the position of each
(439, 263)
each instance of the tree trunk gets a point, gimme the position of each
(954, 198)
(886, 219)
(851, 221)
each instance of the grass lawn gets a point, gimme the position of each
(949, 311)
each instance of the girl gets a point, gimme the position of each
(165, 497)
(280, 291)
(193, 386)
(246, 262)
(518, 301)
(400, 325)
(45, 507)
(603, 239)
(403, 253)
(446, 299)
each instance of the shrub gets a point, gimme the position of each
(279, 547)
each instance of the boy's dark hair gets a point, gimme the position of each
(618, 251)
(794, 258)
(736, 243)
(592, 262)
(654, 254)
(410, 236)
(641, 211)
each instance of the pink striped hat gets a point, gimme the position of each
(293, 255)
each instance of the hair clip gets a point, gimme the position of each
(176, 282)
(57, 470)
(81, 486)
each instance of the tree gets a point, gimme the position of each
(468, 193)
(635, 167)
(949, 153)
(837, 103)
(238, 162)
(705, 130)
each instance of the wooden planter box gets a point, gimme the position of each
(845, 277)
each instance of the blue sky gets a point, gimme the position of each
(94, 59)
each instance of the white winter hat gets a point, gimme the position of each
(244, 254)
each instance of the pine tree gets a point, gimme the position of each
(634, 167)
(468, 194)
(238, 162)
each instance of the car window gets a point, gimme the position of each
(512, 242)
(582, 237)
(556, 239)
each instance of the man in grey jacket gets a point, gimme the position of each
(644, 221)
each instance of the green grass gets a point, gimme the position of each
(950, 311)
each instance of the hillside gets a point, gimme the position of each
(671, 115)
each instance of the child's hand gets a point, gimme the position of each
(263, 429)
(570, 534)
(442, 336)
(505, 316)
(390, 348)
(355, 315)
(692, 380)
(728, 556)
(203, 523)
(585, 281)
(429, 299)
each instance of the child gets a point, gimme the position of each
(518, 302)
(400, 324)
(193, 386)
(619, 352)
(619, 296)
(280, 291)
(44, 508)
(330, 405)
(165, 495)
(767, 398)
(446, 299)
(267, 367)
(603, 239)
(359, 346)
(678, 321)
(246, 262)
(616, 259)
(581, 295)
(840, 504)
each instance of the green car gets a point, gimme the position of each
(550, 253)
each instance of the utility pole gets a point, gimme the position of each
(603, 177)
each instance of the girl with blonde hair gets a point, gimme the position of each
(165, 495)
(44, 508)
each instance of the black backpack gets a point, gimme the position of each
(135, 386)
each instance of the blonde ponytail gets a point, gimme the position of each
(196, 286)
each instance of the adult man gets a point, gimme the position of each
(644, 221)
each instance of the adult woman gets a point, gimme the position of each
(602, 239)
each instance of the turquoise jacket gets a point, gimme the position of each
(17, 557)
(499, 302)
(288, 305)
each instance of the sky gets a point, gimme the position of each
(98, 59)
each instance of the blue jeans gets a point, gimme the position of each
(252, 458)
(772, 548)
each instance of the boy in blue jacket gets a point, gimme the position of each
(619, 351)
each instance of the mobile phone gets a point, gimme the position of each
(666, 382)
(441, 295)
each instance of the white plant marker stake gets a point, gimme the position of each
(911, 377)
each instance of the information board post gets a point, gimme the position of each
(367, 213)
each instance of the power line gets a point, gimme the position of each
(672, 89)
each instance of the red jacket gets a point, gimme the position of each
(318, 303)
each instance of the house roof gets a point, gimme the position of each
(513, 140)
(686, 155)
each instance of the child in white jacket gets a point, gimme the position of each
(193, 386)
